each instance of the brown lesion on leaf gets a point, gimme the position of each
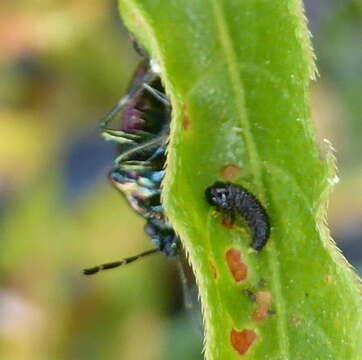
(186, 122)
(228, 221)
(230, 172)
(242, 341)
(296, 320)
(264, 302)
(214, 272)
(330, 280)
(237, 267)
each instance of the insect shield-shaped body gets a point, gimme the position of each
(232, 200)
(138, 171)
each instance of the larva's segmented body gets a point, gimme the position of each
(232, 200)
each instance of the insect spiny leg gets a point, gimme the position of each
(153, 143)
(157, 94)
(136, 165)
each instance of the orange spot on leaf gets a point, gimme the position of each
(214, 272)
(263, 300)
(186, 123)
(230, 172)
(238, 269)
(242, 340)
(296, 320)
(227, 221)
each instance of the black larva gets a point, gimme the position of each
(232, 199)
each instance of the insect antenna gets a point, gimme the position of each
(115, 264)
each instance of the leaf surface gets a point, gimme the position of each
(238, 73)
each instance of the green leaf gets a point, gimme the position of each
(237, 73)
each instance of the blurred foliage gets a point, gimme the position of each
(63, 65)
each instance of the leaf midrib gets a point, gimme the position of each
(238, 89)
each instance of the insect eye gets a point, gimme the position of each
(220, 197)
(214, 199)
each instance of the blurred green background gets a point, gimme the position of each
(62, 66)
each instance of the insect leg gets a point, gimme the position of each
(114, 112)
(144, 75)
(120, 137)
(134, 165)
(153, 143)
(157, 94)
